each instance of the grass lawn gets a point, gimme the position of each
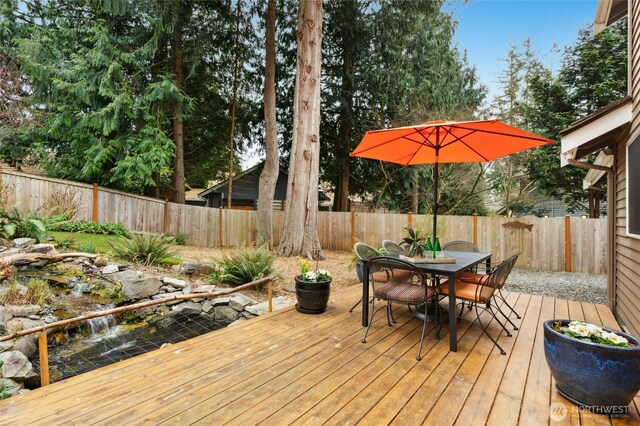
(96, 243)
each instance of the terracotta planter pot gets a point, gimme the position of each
(591, 374)
(312, 296)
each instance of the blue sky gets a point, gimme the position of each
(486, 28)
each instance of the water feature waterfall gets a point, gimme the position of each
(101, 324)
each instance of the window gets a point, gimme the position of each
(633, 188)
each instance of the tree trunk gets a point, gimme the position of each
(178, 128)
(345, 132)
(234, 103)
(300, 233)
(269, 174)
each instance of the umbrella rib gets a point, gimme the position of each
(386, 142)
(511, 135)
(459, 139)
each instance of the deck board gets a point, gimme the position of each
(290, 368)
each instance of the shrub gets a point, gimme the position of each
(62, 202)
(88, 227)
(246, 264)
(66, 242)
(179, 239)
(87, 248)
(38, 292)
(14, 224)
(143, 248)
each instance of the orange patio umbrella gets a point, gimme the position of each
(436, 142)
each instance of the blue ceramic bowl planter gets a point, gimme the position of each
(591, 374)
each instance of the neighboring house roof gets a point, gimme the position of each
(225, 182)
(193, 194)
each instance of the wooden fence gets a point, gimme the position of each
(543, 242)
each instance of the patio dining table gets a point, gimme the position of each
(464, 261)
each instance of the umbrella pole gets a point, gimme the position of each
(436, 176)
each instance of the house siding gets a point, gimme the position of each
(627, 249)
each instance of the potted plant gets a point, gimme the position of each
(312, 289)
(414, 242)
(592, 365)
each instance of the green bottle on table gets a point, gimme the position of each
(428, 247)
(436, 247)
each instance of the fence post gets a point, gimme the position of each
(410, 220)
(353, 228)
(270, 295)
(567, 243)
(220, 224)
(165, 217)
(44, 358)
(475, 229)
(94, 213)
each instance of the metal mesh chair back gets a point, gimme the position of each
(392, 247)
(498, 276)
(460, 246)
(365, 251)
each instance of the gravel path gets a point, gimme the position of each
(563, 285)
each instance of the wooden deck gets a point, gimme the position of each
(287, 367)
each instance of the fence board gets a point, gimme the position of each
(541, 243)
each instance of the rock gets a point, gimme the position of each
(141, 288)
(14, 325)
(23, 242)
(101, 261)
(165, 295)
(206, 288)
(189, 267)
(16, 366)
(34, 317)
(5, 315)
(26, 345)
(23, 310)
(110, 269)
(39, 264)
(188, 308)
(225, 313)
(49, 319)
(5, 346)
(239, 301)
(42, 248)
(219, 301)
(247, 315)
(277, 303)
(9, 388)
(186, 290)
(60, 338)
(126, 275)
(174, 282)
(207, 306)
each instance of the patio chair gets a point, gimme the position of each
(460, 246)
(407, 286)
(364, 253)
(499, 297)
(392, 247)
(481, 293)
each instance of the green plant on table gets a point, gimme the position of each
(414, 242)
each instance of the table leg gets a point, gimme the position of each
(365, 293)
(453, 318)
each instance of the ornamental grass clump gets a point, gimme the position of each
(591, 333)
(246, 264)
(143, 248)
